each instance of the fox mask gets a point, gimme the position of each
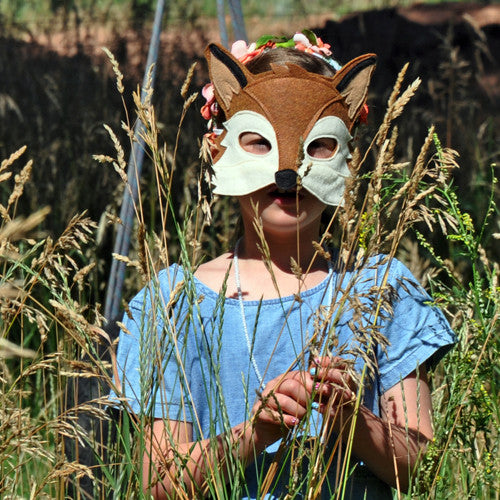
(290, 108)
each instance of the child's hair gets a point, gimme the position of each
(283, 55)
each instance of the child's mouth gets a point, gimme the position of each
(282, 196)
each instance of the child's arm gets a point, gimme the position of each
(281, 406)
(170, 443)
(389, 445)
(400, 436)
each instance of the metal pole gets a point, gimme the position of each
(130, 195)
(237, 20)
(221, 17)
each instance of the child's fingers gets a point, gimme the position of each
(286, 405)
(298, 386)
(280, 408)
(340, 378)
(269, 416)
(286, 396)
(296, 389)
(333, 373)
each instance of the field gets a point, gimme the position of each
(427, 163)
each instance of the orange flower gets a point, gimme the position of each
(363, 114)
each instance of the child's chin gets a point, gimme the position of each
(282, 219)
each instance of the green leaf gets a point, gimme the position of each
(310, 36)
(288, 44)
(263, 40)
(270, 38)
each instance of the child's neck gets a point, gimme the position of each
(282, 247)
(258, 278)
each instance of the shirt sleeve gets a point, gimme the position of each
(150, 349)
(417, 331)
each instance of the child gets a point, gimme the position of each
(282, 367)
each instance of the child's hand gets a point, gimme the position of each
(335, 387)
(282, 404)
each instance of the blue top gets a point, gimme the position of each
(209, 377)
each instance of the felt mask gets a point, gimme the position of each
(290, 108)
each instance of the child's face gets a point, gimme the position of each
(281, 213)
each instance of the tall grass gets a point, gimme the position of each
(44, 326)
(400, 204)
(53, 444)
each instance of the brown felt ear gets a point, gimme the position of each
(352, 81)
(227, 74)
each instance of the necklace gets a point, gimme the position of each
(242, 312)
(242, 307)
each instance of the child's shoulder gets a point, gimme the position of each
(383, 263)
(214, 273)
(383, 269)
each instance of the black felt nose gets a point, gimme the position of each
(286, 179)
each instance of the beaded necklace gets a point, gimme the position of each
(242, 307)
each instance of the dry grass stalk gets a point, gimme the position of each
(386, 123)
(187, 81)
(18, 228)
(263, 246)
(120, 165)
(30, 433)
(405, 97)
(9, 349)
(129, 262)
(20, 181)
(116, 70)
(12, 158)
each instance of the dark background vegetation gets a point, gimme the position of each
(57, 90)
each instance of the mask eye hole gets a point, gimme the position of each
(322, 148)
(254, 143)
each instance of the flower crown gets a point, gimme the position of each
(305, 41)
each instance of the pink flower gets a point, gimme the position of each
(239, 49)
(209, 109)
(208, 92)
(245, 53)
(254, 53)
(302, 43)
(323, 48)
